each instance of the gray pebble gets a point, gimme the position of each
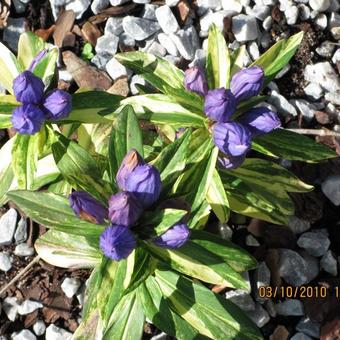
(259, 316)
(325, 49)
(10, 307)
(55, 333)
(139, 28)
(290, 307)
(29, 306)
(314, 91)
(329, 264)
(297, 225)
(24, 334)
(39, 327)
(70, 286)
(8, 223)
(166, 19)
(315, 243)
(114, 25)
(241, 298)
(23, 249)
(308, 327)
(21, 232)
(244, 27)
(107, 44)
(99, 5)
(5, 262)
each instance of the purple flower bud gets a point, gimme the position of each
(145, 183)
(124, 209)
(247, 83)
(57, 104)
(232, 138)
(129, 163)
(232, 162)
(260, 120)
(195, 81)
(28, 88)
(87, 207)
(36, 60)
(117, 242)
(174, 237)
(219, 105)
(27, 119)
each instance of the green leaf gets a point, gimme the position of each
(218, 60)
(209, 313)
(46, 67)
(7, 103)
(237, 58)
(290, 145)
(5, 120)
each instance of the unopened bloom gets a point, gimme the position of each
(145, 183)
(232, 138)
(247, 83)
(37, 59)
(87, 207)
(260, 120)
(27, 119)
(174, 237)
(117, 242)
(57, 104)
(219, 105)
(232, 162)
(124, 209)
(195, 81)
(28, 88)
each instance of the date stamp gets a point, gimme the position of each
(292, 292)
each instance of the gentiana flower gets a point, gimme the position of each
(174, 237)
(87, 207)
(247, 83)
(195, 81)
(57, 104)
(28, 88)
(117, 242)
(37, 59)
(27, 119)
(260, 120)
(219, 105)
(232, 138)
(231, 162)
(124, 209)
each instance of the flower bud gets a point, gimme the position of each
(124, 209)
(195, 81)
(231, 162)
(57, 104)
(129, 163)
(145, 183)
(247, 83)
(37, 59)
(174, 237)
(117, 242)
(28, 88)
(232, 138)
(219, 105)
(260, 120)
(27, 119)
(87, 207)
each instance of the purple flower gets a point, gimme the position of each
(145, 183)
(260, 120)
(232, 162)
(37, 59)
(87, 207)
(124, 209)
(27, 119)
(117, 242)
(219, 105)
(247, 83)
(174, 237)
(57, 104)
(232, 138)
(28, 88)
(129, 163)
(195, 81)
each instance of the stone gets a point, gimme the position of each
(321, 20)
(261, 278)
(11, 34)
(23, 249)
(55, 333)
(335, 31)
(334, 20)
(216, 18)
(314, 91)
(21, 231)
(283, 71)
(300, 336)
(24, 334)
(171, 3)
(214, 4)
(315, 243)
(120, 87)
(308, 327)
(136, 79)
(282, 104)
(325, 49)
(81, 295)
(149, 12)
(329, 264)
(280, 333)
(270, 308)
(232, 5)
(39, 327)
(70, 286)
(319, 5)
(166, 19)
(184, 45)
(10, 307)
(100, 60)
(291, 14)
(98, 6)
(333, 97)
(107, 44)
(126, 40)
(29, 306)
(306, 109)
(259, 316)
(298, 225)
(304, 12)
(168, 44)
(8, 222)
(193, 36)
(290, 307)
(78, 7)
(118, 2)
(267, 23)
(114, 25)
(312, 265)
(336, 56)
(156, 49)
(253, 50)
(260, 12)
(5, 262)
(251, 241)
(244, 27)
(241, 298)
(116, 70)
(20, 7)
(161, 336)
(139, 28)
(225, 231)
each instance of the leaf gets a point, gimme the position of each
(7, 103)
(5, 120)
(287, 144)
(237, 58)
(209, 313)
(218, 60)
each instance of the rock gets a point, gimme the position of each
(242, 299)
(24, 334)
(70, 286)
(280, 333)
(139, 28)
(114, 25)
(291, 14)
(306, 109)
(290, 307)
(107, 44)
(297, 225)
(283, 71)
(118, 2)
(172, 59)
(8, 222)
(166, 19)
(336, 56)
(39, 327)
(319, 5)
(161, 336)
(312, 265)
(126, 40)
(267, 23)
(156, 49)
(259, 316)
(10, 307)
(334, 20)
(23, 249)
(325, 49)
(253, 50)
(11, 34)
(308, 327)
(171, 3)
(225, 231)
(329, 264)
(261, 278)
(183, 43)
(55, 333)
(324, 75)
(244, 27)
(300, 336)
(216, 18)
(232, 5)
(99, 5)
(313, 90)
(78, 7)
(136, 79)
(29, 306)
(168, 44)
(331, 188)
(5, 262)
(120, 87)
(81, 295)
(282, 104)
(270, 308)
(304, 12)
(21, 232)
(20, 7)
(334, 97)
(292, 267)
(320, 20)
(116, 70)
(149, 12)
(315, 243)
(251, 241)
(260, 12)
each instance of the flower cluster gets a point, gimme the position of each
(140, 186)
(36, 105)
(233, 138)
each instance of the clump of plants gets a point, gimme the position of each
(131, 195)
